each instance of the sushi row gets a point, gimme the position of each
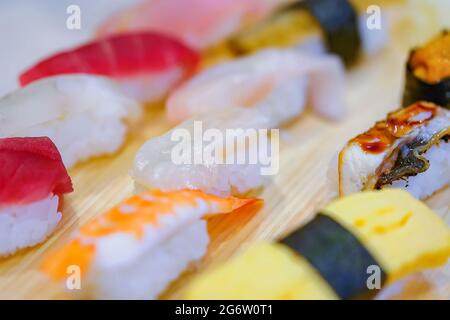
(138, 247)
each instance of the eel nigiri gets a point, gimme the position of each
(83, 115)
(351, 249)
(180, 158)
(146, 64)
(278, 82)
(318, 25)
(199, 23)
(428, 73)
(33, 180)
(137, 248)
(408, 150)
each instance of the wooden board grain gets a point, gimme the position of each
(292, 196)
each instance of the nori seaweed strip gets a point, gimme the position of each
(339, 257)
(339, 21)
(418, 90)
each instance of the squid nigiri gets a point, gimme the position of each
(146, 64)
(181, 157)
(83, 115)
(350, 250)
(408, 150)
(277, 82)
(137, 248)
(199, 23)
(33, 180)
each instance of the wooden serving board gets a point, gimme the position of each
(307, 147)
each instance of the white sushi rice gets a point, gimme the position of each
(137, 274)
(84, 115)
(23, 226)
(435, 178)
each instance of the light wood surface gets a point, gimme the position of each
(308, 145)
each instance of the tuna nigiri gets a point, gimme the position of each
(137, 248)
(33, 180)
(84, 115)
(146, 64)
(277, 82)
(178, 159)
(408, 150)
(199, 23)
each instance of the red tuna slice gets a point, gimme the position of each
(117, 56)
(30, 170)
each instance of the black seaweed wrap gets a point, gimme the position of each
(339, 21)
(337, 255)
(418, 90)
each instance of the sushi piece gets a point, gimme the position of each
(332, 25)
(33, 180)
(277, 82)
(146, 64)
(199, 23)
(349, 250)
(137, 248)
(408, 150)
(83, 115)
(210, 152)
(428, 73)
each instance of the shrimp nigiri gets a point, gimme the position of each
(137, 248)
(199, 23)
(277, 82)
(32, 181)
(146, 64)
(84, 115)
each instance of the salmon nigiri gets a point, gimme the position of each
(137, 248)
(199, 23)
(146, 64)
(32, 181)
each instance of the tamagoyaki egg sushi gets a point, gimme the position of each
(350, 250)
(336, 26)
(408, 150)
(145, 64)
(84, 115)
(277, 82)
(33, 180)
(138, 247)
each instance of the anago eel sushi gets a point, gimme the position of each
(199, 23)
(84, 115)
(277, 82)
(145, 64)
(137, 248)
(351, 249)
(33, 180)
(408, 150)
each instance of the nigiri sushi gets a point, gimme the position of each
(33, 180)
(83, 115)
(277, 82)
(408, 150)
(199, 23)
(351, 249)
(137, 248)
(318, 25)
(205, 153)
(146, 64)
(428, 73)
